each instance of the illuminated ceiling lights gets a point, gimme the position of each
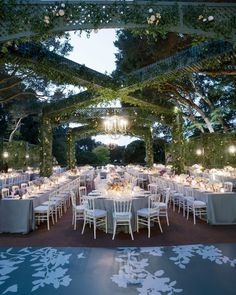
(115, 126)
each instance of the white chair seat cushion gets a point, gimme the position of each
(178, 195)
(122, 215)
(41, 209)
(80, 208)
(189, 198)
(52, 203)
(160, 205)
(199, 204)
(97, 213)
(146, 212)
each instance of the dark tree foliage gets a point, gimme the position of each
(138, 51)
(83, 151)
(4, 119)
(30, 130)
(135, 152)
(117, 154)
(86, 144)
(59, 147)
(159, 151)
(87, 157)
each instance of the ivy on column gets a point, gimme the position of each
(71, 160)
(149, 148)
(45, 135)
(177, 147)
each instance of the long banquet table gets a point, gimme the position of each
(17, 215)
(221, 207)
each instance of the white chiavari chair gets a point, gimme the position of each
(94, 216)
(43, 213)
(147, 215)
(122, 215)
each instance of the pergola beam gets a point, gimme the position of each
(40, 59)
(181, 21)
(186, 60)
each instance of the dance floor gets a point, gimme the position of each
(186, 259)
(189, 269)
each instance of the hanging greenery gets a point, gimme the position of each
(71, 160)
(21, 154)
(50, 18)
(41, 20)
(177, 145)
(221, 22)
(149, 148)
(211, 150)
(45, 134)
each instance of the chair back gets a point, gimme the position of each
(122, 205)
(89, 203)
(73, 199)
(152, 200)
(14, 188)
(228, 186)
(5, 192)
(153, 188)
(82, 180)
(82, 191)
(167, 196)
(24, 185)
(188, 192)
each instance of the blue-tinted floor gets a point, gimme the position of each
(191, 270)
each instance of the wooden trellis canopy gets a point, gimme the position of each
(187, 60)
(136, 116)
(27, 18)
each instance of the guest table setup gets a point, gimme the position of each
(226, 174)
(17, 211)
(116, 187)
(220, 201)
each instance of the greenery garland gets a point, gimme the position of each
(177, 146)
(149, 148)
(149, 18)
(71, 160)
(45, 133)
(222, 23)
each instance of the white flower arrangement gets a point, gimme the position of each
(46, 19)
(61, 12)
(204, 19)
(154, 18)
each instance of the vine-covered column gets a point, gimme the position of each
(149, 148)
(45, 147)
(177, 151)
(71, 160)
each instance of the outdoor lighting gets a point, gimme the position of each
(232, 149)
(5, 155)
(114, 125)
(176, 109)
(199, 152)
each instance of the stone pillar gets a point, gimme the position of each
(46, 157)
(71, 160)
(177, 147)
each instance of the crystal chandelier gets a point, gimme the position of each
(115, 125)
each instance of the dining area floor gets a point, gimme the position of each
(180, 232)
